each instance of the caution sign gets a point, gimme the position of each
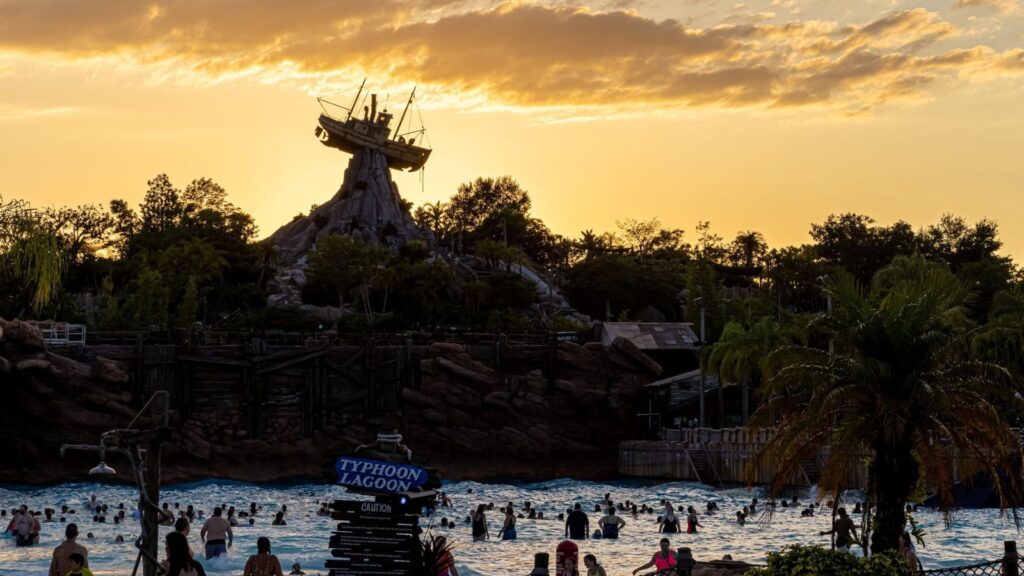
(373, 538)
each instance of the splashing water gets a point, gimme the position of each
(976, 535)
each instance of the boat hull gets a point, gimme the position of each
(354, 135)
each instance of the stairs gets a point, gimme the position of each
(812, 470)
(703, 468)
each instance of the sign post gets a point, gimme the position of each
(379, 537)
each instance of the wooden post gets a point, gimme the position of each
(552, 360)
(745, 389)
(140, 371)
(499, 352)
(369, 370)
(701, 409)
(150, 522)
(407, 367)
(1010, 562)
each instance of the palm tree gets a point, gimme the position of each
(740, 352)
(590, 244)
(902, 389)
(267, 256)
(748, 247)
(1002, 339)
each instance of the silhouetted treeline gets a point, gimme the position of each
(189, 255)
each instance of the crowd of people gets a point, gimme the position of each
(217, 531)
(610, 524)
(216, 536)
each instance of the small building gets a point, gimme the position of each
(674, 402)
(673, 345)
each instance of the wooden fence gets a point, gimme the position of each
(256, 390)
(718, 456)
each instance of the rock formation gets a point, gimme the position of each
(464, 417)
(367, 206)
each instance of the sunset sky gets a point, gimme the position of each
(764, 115)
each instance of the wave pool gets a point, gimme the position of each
(975, 535)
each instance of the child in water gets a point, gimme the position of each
(78, 565)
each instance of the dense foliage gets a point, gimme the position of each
(900, 384)
(187, 255)
(816, 561)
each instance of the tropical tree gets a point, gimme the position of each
(435, 218)
(30, 256)
(748, 248)
(1002, 339)
(902, 389)
(740, 353)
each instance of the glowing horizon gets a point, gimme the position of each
(767, 116)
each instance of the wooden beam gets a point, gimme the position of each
(292, 362)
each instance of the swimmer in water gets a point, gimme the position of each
(692, 522)
(842, 528)
(669, 523)
(610, 524)
(577, 524)
(663, 559)
(479, 522)
(508, 529)
(593, 568)
(78, 567)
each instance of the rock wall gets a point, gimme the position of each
(464, 417)
(367, 206)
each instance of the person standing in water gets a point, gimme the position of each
(842, 528)
(577, 524)
(178, 561)
(662, 559)
(610, 524)
(692, 522)
(906, 548)
(59, 565)
(262, 563)
(213, 534)
(508, 528)
(480, 524)
(669, 523)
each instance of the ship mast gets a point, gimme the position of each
(354, 102)
(400, 120)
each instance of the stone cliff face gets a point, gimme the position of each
(463, 417)
(367, 206)
(479, 422)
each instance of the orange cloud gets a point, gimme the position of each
(520, 54)
(1002, 6)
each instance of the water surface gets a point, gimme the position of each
(975, 535)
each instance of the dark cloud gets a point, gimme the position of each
(520, 54)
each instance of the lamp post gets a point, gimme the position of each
(142, 446)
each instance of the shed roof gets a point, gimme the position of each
(652, 335)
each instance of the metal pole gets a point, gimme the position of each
(150, 521)
(701, 301)
(702, 389)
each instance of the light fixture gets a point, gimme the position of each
(102, 469)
